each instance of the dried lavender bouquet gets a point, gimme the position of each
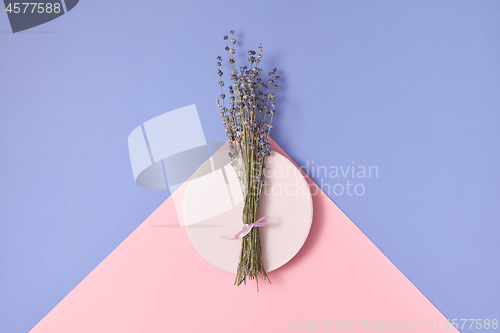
(247, 121)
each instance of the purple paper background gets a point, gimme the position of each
(411, 87)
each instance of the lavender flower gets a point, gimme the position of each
(247, 122)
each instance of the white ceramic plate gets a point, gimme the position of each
(213, 206)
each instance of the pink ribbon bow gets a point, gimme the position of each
(248, 227)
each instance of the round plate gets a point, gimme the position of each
(213, 205)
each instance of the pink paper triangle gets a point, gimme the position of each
(155, 281)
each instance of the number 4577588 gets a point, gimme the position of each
(479, 323)
(33, 7)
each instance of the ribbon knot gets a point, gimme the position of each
(248, 227)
